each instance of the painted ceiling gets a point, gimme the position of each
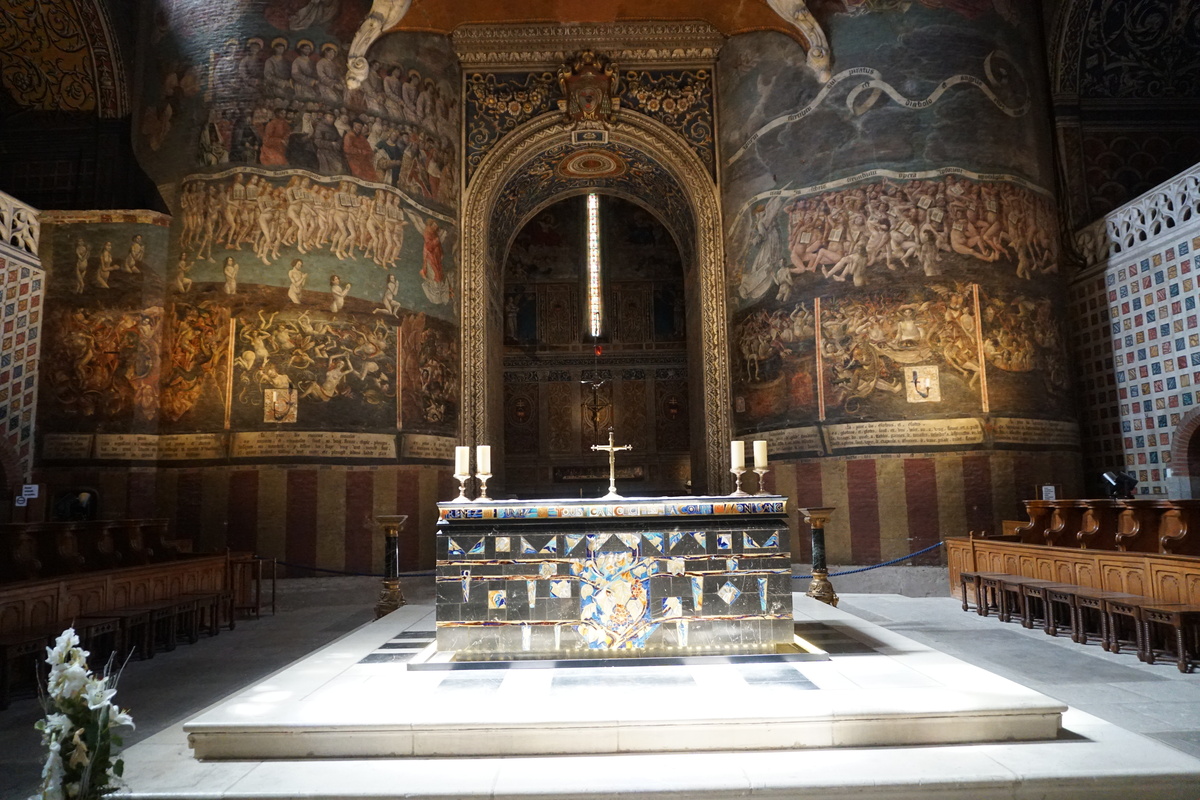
(729, 18)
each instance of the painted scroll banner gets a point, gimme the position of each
(313, 444)
(1046, 432)
(790, 440)
(191, 446)
(66, 446)
(127, 446)
(434, 448)
(907, 433)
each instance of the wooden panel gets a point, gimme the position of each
(33, 603)
(960, 558)
(1168, 577)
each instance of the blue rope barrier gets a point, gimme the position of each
(873, 566)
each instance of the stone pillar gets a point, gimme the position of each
(391, 596)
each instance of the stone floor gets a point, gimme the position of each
(1153, 700)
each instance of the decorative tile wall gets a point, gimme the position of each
(1137, 340)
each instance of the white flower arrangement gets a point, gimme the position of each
(78, 728)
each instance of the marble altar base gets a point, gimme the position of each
(948, 730)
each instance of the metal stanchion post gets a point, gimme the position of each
(820, 588)
(391, 596)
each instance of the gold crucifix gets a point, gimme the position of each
(612, 463)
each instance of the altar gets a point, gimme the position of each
(614, 576)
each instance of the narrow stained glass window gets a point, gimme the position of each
(595, 303)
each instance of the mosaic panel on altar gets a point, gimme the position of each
(596, 578)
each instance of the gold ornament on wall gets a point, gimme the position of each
(589, 86)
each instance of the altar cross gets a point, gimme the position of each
(612, 463)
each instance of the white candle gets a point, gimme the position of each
(462, 460)
(737, 454)
(483, 459)
(760, 454)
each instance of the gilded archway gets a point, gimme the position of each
(483, 246)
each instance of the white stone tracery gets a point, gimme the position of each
(19, 225)
(1161, 209)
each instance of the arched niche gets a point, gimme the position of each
(684, 198)
(1184, 482)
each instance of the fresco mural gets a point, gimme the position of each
(775, 366)
(971, 107)
(336, 370)
(194, 385)
(892, 231)
(429, 389)
(102, 369)
(104, 298)
(371, 238)
(876, 346)
(891, 239)
(262, 91)
(314, 247)
(1025, 348)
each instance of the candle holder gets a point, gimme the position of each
(483, 479)
(738, 472)
(761, 472)
(462, 478)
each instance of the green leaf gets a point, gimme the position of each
(119, 768)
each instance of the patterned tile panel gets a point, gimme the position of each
(1137, 342)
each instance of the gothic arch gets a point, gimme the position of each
(480, 301)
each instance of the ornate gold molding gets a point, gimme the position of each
(632, 44)
(481, 281)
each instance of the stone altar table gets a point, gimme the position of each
(612, 577)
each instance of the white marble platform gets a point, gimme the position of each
(331, 705)
(310, 725)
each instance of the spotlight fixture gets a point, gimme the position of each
(1120, 485)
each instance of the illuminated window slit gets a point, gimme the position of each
(595, 302)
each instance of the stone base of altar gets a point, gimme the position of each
(358, 699)
(882, 717)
